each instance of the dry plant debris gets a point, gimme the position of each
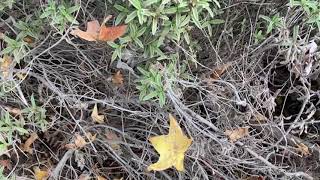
(235, 135)
(97, 32)
(117, 79)
(80, 142)
(171, 148)
(95, 116)
(219, 71)
(27, 145)
(5, 63)
(6, 164)
(41, 174)
(303, 149)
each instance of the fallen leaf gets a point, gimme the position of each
(171, 148)
(6, 163)
(219, 71)
(303, 149)
(2, 36)
(91, 137)
(14, 111)
(84, 177)
(5, 63)
(101, 178)
(28, 39)
(111, 33)
(40, 174)
(27, 145)
(79, 141)
(92, 32)
(95, 32)
(236, 134)
(21, 76)
(113, 140)
(117, 79)
(95, 116)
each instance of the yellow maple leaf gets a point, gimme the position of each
(95, 116)
(171, 148)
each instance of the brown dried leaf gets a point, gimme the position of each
(84, 177)
(219, 71)
(79, 141)
(28, 39)
(95, 116)
(2, 36)
(5, 63)
(101, 178)
(113, 140)
(6, 164)
(236, 134)
(111, 33)
(96, 32)
(41, 174)
(27, 145)
(91, 137)
(117, 79)
(92, 32)
(303, 149)
(14, 111)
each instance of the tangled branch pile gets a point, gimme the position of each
(242, 80)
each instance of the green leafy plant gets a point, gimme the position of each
(16, 47)
(152, 22)
(31, 28)
(6, 3)
(312, 9)
(59, 15)
(273, 22)
(9, 126)
(155, 79)
(151, 85)
(36, 114)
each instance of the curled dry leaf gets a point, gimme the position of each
(101, 178)
(28, 39)
(91, 137)
(40, 174)
(171, 148)
(237, 134)
(303, 149)
(14, 111)
(79, 141)
(95, 116)
(117, 79)
(6, 163)
(95, 32)
(2, 36)
(27, 145)
(219, 71)
(84, 177)
(113, 140)
(5, 63)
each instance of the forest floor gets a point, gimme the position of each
(82, 99)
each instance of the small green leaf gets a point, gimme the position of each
(131, 16)
(150, 96)
(136, 4)
(154, 26)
